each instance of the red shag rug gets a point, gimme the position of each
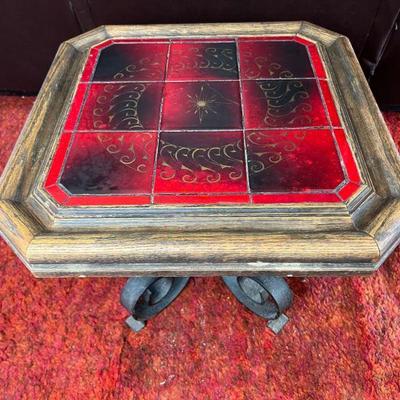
(66, 339)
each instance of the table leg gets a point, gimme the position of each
(266, 296)
(145, 297)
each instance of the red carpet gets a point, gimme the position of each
(65, 338)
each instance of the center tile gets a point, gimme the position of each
(201, 105)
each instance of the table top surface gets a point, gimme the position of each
(203, 149)
(248, 120)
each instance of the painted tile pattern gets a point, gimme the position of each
(201, 121)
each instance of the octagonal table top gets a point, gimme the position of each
(209, 149)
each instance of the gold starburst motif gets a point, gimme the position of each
(202, 103)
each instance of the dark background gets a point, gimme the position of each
(32, 31)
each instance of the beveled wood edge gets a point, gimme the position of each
(105, 32)
(367, 122)
(204, 29)
(358, 204)
(317, 34)
(87, 39)
(306, 216)
(204, 269)
(379, 216)
(201, 247)
(134, 252)
(384, 227)
(30, 148)
(18, 227)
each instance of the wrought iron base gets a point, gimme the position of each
(145, 297)
(266, 296)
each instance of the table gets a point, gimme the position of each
(159, 152)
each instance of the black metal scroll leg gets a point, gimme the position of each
(266, 296)
(145, 297)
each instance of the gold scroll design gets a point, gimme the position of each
(117, 107)
(212, 162)
(270, 148)
(212, 58)
(148, 68)
(206, 102)
(286, 103)
(258, 66)
(134, 156)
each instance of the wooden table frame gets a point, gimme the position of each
(354, 237)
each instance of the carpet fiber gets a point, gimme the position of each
(65, 338)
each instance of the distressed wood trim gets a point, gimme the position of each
(88, 39)
(384, 228)
(369, 126)
(317, 33)
(199, 247)
(204, 269)
(18, 228)
(305, 217)
(30, 150)
(204, 30)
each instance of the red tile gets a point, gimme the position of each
(57, 193)
(214, 39)
(89, 66)
(292, 161)
(317, 61)
(132, 62)
(103, 45)
(110, 163)
(330, 104)
(266, 37)
(347, 156)
(282, 103)
(58, 159)
(295, 198)
(200, 163)
(75, 107)
(202, 61)
(141, 40)
(198, 199)
(273, 59)
(122, 106)
(201, 105)
(303, 41)
(113, 200)
(348, 190)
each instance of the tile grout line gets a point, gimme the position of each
(306, 128)
(246, 166)
(116, 82)
(153, 180)
(207, 194)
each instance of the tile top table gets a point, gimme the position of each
(217, 149)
